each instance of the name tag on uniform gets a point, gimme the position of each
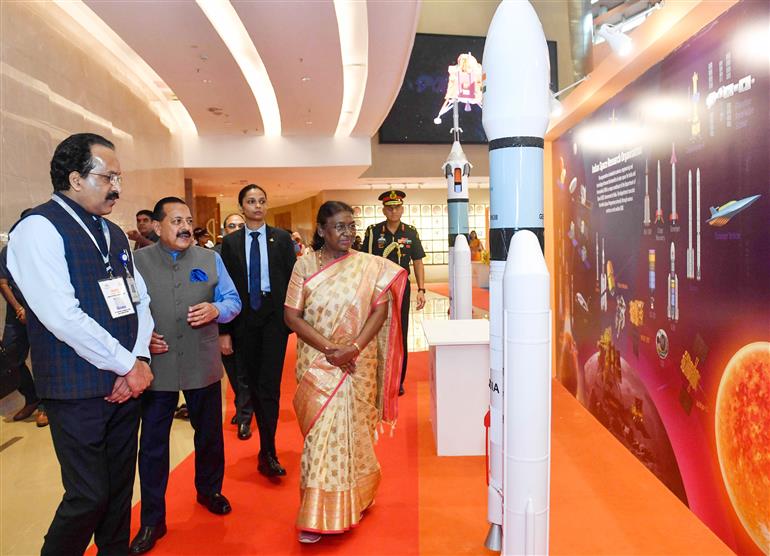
(117, 298)
(132, 289)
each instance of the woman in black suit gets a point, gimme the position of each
(260, 259)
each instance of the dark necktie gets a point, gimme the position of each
(255, 273)
(99, 235)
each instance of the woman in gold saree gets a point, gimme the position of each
(342, 304)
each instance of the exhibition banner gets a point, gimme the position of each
(662, 216)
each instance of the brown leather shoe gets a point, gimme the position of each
(26, 411)
(41, 419)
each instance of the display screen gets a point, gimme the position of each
(422, 93)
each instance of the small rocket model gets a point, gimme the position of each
(646, 220)
(457, 169)
(697, 224)
(651, 276)
(515, 117)
(674, 216)
(597, 258)
(694, 97)
(673, 291)
(690, 250)
(603, 283)
(659, 211)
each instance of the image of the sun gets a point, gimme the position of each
(743, 438)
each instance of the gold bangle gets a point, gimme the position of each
(357, 346)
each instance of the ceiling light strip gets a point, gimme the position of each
(230, 28)
(174, 116)
(353, 26)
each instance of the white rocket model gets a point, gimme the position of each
(457, 169)
(527, 390)
(697, 224)
(603, 284)
(646, 220)
(674, 216)
(659, 211)
(515, 117)
(673, 290)
(461, 302)
(690, 250)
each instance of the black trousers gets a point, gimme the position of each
(16, 344)
(205, 408)
(262, 349)
(236, 375)
(95, 443)
(405, 326)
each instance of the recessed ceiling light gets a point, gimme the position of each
(308, 122)
(305, 78)
(221, 194)
(207, 81)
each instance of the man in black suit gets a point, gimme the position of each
(260, 259)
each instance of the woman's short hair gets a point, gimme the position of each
(326, 211)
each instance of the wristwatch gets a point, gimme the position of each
(143, 358)
(420, 290)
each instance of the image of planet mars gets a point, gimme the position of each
(742, 427)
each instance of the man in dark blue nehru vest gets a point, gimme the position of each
(89, 330)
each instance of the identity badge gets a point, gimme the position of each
(117, 298)
(132, 289)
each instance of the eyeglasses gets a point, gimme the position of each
(342, 228)
(116, 180)
(234, 225)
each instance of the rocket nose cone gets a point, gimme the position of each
(461, 244)
(526, 282)
(525, 255)
(517, 67)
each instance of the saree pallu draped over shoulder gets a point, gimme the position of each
(338, 412)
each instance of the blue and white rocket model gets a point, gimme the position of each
(457, 169)
(515, 118)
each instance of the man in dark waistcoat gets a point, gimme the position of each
(89, 329)
(191, 293)
(399, 242)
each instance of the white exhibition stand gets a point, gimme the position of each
(459, 384)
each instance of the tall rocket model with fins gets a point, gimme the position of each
(646, 220)
(674, 216)
(457, 169)
(515, 117)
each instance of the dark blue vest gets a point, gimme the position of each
(60, 373)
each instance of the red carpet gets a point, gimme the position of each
(603, 500)
(262, 520)
(480, 296)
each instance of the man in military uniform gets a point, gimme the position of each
(400, 243)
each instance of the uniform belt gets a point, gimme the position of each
(266, 294)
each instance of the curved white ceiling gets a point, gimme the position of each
(300, 48)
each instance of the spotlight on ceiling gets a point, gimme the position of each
(620, 43)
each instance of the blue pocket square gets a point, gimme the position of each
(198, 275)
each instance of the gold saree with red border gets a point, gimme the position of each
(338, 412)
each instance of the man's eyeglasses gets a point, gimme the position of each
(116, 180)
(342, 228)
(234, 225)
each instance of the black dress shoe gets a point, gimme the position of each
(216, 503)
(234, 420)
(270, 467)
(26, 411)
(244, 431)
(401, 390)
(146, 538)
